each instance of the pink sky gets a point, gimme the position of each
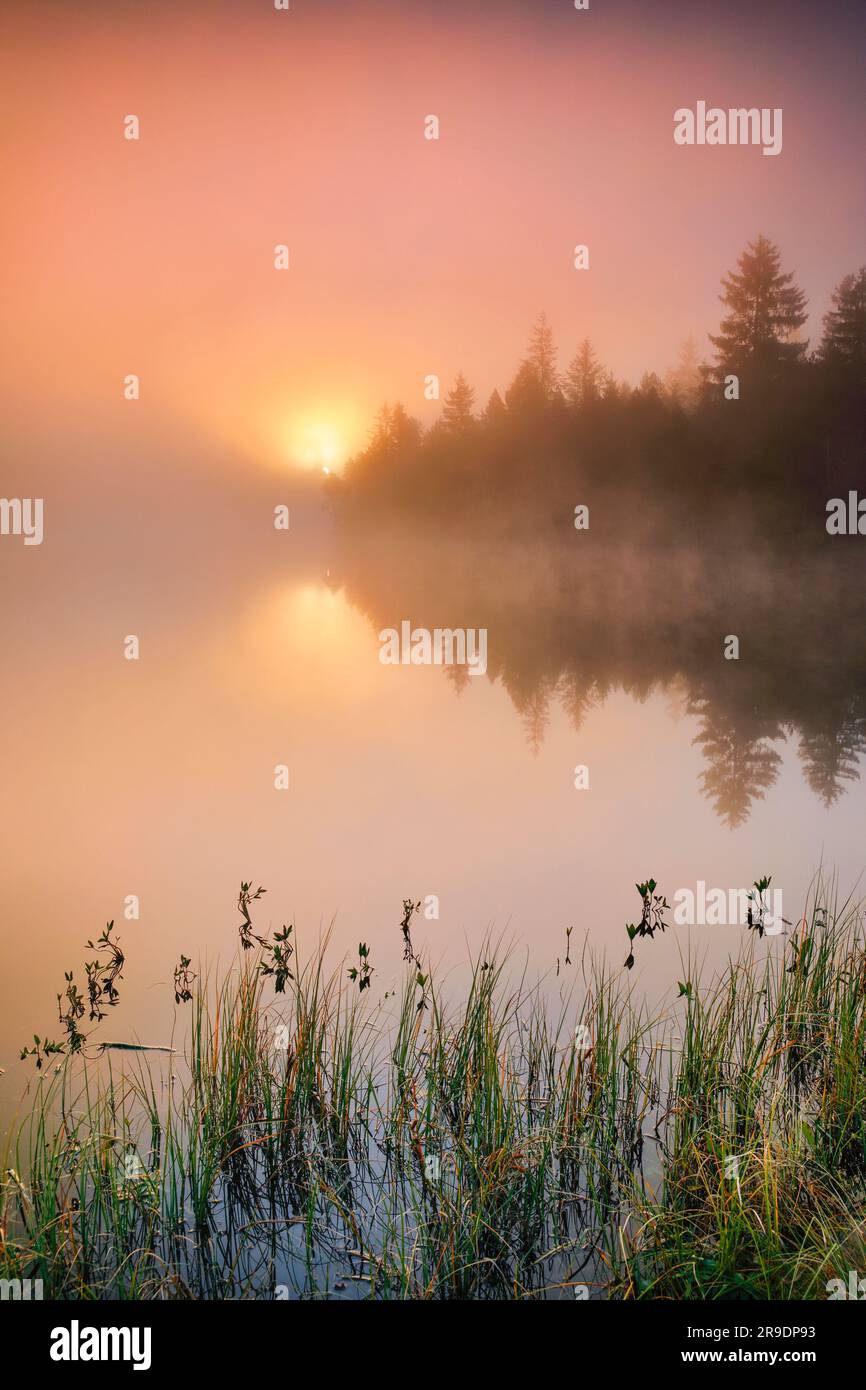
(408, 256)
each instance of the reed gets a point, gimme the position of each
(318, 1141)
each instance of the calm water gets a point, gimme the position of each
(260, 648)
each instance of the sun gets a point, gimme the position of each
(317, 444)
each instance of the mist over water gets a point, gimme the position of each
(260, 647)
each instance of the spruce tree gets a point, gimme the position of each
(844, 341)
(457, 410)
(583, 380)
(765, 311)
(542, 356)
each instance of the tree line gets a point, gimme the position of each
(766, 430)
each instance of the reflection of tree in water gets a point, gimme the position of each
(569, 628)
(706, 520)
(578, 696)
(742, 763)
(830, 751)
(459, 677)
(536, 715)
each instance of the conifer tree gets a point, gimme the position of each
(542, 356)
(583, 380)
(457, 410)
(844, 340)
(765, 311)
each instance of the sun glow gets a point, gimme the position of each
(317, 445)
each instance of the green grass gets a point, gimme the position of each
(325, 1142)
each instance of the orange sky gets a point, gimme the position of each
(407, 256)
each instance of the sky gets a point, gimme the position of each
(407, 256)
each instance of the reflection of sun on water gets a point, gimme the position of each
(302, 646)
(315, 613)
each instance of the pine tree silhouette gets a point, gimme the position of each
(457, 410)
(585, 375)
(541, 357)
(766, 309)
(844, 340)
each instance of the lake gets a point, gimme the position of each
(259, 649)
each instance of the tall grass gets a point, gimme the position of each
(323, 1143)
